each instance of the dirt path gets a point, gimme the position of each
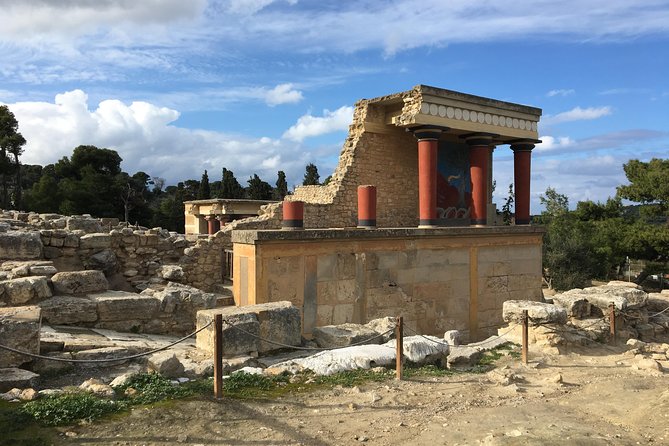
(593, 397)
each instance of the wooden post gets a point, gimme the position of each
(525, 325)
(612, 322)
(399, 347)
(218, 356)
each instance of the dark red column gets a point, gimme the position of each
(479, 157)
(293, 215)
(522, 159)
(428, 143)
(367, 207)
(213, 225)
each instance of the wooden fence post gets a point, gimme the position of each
(218, 356)
(612, 322)
(399, 347)
(525, 329)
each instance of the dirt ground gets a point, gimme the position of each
(593, 396)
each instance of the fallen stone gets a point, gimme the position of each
(343, 359)
(16, 245)
(249, 371)
(95, 354)
(19, 329)
(462, 356)
(95, 241)
(43, 270)
(88, 225)
(201, 369)
(28, 394)
(122, 379)
(172, 272)
(11, 395)
(643, 363)
(383, 325)
(120, 306)
(12, 377)
(98, 388)
(622, 283)
(49, 367)
(79, 282)
(658, 302)
(453, 337)
(344, 335)
(65, 310)
(627, 297)
(538, 312)
(25, 289)
(166, 363)
(235, 341)
(104, 261)
(423, 349)
(576, 305)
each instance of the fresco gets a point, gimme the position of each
(454, 189)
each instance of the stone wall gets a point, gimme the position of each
(439, 280)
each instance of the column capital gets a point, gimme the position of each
(427, 132)
(479, 139)
(524, 145)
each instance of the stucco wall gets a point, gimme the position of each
(438, 280)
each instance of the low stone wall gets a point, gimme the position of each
(438, 279)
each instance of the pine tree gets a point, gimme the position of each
(258, 189)
(230, 187)
(311, 177)
(204, 192)
(281, 185)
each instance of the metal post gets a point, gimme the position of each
(218, 356)
(612, 321)
(399, 347)
(525, 325)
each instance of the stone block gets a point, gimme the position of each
(88, 225)
(538, 312)
(43, 270)
(95, 241)
(12, 377)
(463, 357)
(576, 304)
(23, 290)
(104, 261)
(235, 341)
(20, 245)
(79, 282)
(19, 329)
(172, 272)
(279, 322)
(117, 306)
(66, 310)
(331, 336)
(633, 297)
(167, 364)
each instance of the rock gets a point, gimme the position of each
(576, 305)
(66, 310)
(235, 342)
(98, 388)
(538, 312)
(50, 392)
(95, 354)
(343, 359)
(11, 377)
(249, 371)
(95, 241)
(622, 296)
(104, 261)
(28, 394)
(119, 306)
(122, 379)
(48, 367)
(635, 343)
(19, 329)
(11, 395)
(622, 283)
(331, 336)
(25, 289)
(167, 364)
(43, 270)
(20, 245)
(463, 357)
(202, 369)
(79, 282)
(453, 337)
(383, 325)
(658, 302)
(643, 363)
(88, 225)
(172, 272)
(423, 349)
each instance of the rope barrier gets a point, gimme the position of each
(478, 344)
(295, 347)
(97, 361)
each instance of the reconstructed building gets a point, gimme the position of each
(207, 216)
(438, 255)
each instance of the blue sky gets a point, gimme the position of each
(259, 86)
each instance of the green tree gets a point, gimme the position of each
(507, 207)
(281, 185)
(204, 191)
(649, 185)
(230, 187)
(259, 189)
(11, 143)
(311, 177)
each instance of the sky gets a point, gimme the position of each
(257, 86)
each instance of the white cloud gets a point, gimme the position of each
(577, 114)
(144, 136)
(550, 143)
(308, 125)
(283, 94)
(560, 92)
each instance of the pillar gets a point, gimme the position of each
(428, 144)
(479, 157)
(522, 157)
(213, 225)
(367, 207)
(293, 215)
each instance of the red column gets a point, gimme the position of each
(522, 159)
(479, 156)
(213, 225)
(428, 143)
(367, 207)
(293, 215)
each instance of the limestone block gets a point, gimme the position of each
(95, 241)
(12, 377)
(235, 342)
(453, 337)
(51, 252)
(385, 326)
(423, 349)
(98, 388)
(104, 261)
(538, 312)
(71, 241)
(20, 245)
(43, 270)
(117, 306)
(65, 310)
(88, 225)
(463, 357)
(167, 364)
(172, 272)
(342, 360)
(19, 329)
(633, 297)
(657, 301)
(576, 304)
(343, 335)
(79, 282)
(25, 289)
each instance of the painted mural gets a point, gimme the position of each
(454, 189)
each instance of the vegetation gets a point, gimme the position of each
(311, 176)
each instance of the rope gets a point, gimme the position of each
(426, 338)
(83, 361)
(294, 347)
(659, 313)
(478, 344)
